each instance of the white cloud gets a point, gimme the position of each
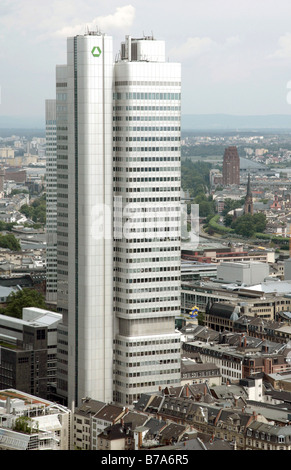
(196, 46)
(232, 41)
(284, 50)
(121, 19)
(193, 47)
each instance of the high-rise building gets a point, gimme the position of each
(84, 180)
(118, 154)
(51, 201)
(147, 181)
(231, 167)
(2, 180)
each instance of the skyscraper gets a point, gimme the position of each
(84, 178)
(231, 167)
(147, 108)
(51, 201)
(118, 154)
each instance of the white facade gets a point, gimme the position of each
(84, 120)
(48, 421)
(243, 273)
(51, 201)
(146, 144)
(118, 149)
(229, 362)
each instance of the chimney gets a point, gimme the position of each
(8, 405)
(139, 444)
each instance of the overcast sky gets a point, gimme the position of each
(235, 54)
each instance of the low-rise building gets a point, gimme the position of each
(28, 349)
(264, 300)
(244, 357)
(108, 415)
(116, 437)
(194, 373)
(280, 380)
(264, 436)
(228, 359)
(28, 422)
(82, 423)
(227, 255)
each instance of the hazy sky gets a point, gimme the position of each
(235, 55)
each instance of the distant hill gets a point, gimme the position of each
(228, 121)
(189, 122)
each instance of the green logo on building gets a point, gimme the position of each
(96, 51)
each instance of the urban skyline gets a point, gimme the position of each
(164, 257)
(235, 58)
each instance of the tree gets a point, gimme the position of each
(244, 225)
(195, 177)
(26, 297)
(6, 226)
(227, 220)
(27, 210)
(232, 204)
(260, 221)
(23, 424)
(206, 205)
(9, 241)
(247, 225)
(36, 211)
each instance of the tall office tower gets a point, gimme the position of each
(2, 179)
(51, 201)
(84, 186)
(146, 154)
(231, 167)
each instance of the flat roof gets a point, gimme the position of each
(26, 397)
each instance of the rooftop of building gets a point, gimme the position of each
(90, 407)
(35, 317)
(188, 366)
(109, 412)
(239, 349)
(20, 400)
(272, 287)
(116, 431)
(135, 419)
(268, 288)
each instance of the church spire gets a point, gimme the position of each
(249, 193)
(249, 207)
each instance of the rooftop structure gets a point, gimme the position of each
(30, 423)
